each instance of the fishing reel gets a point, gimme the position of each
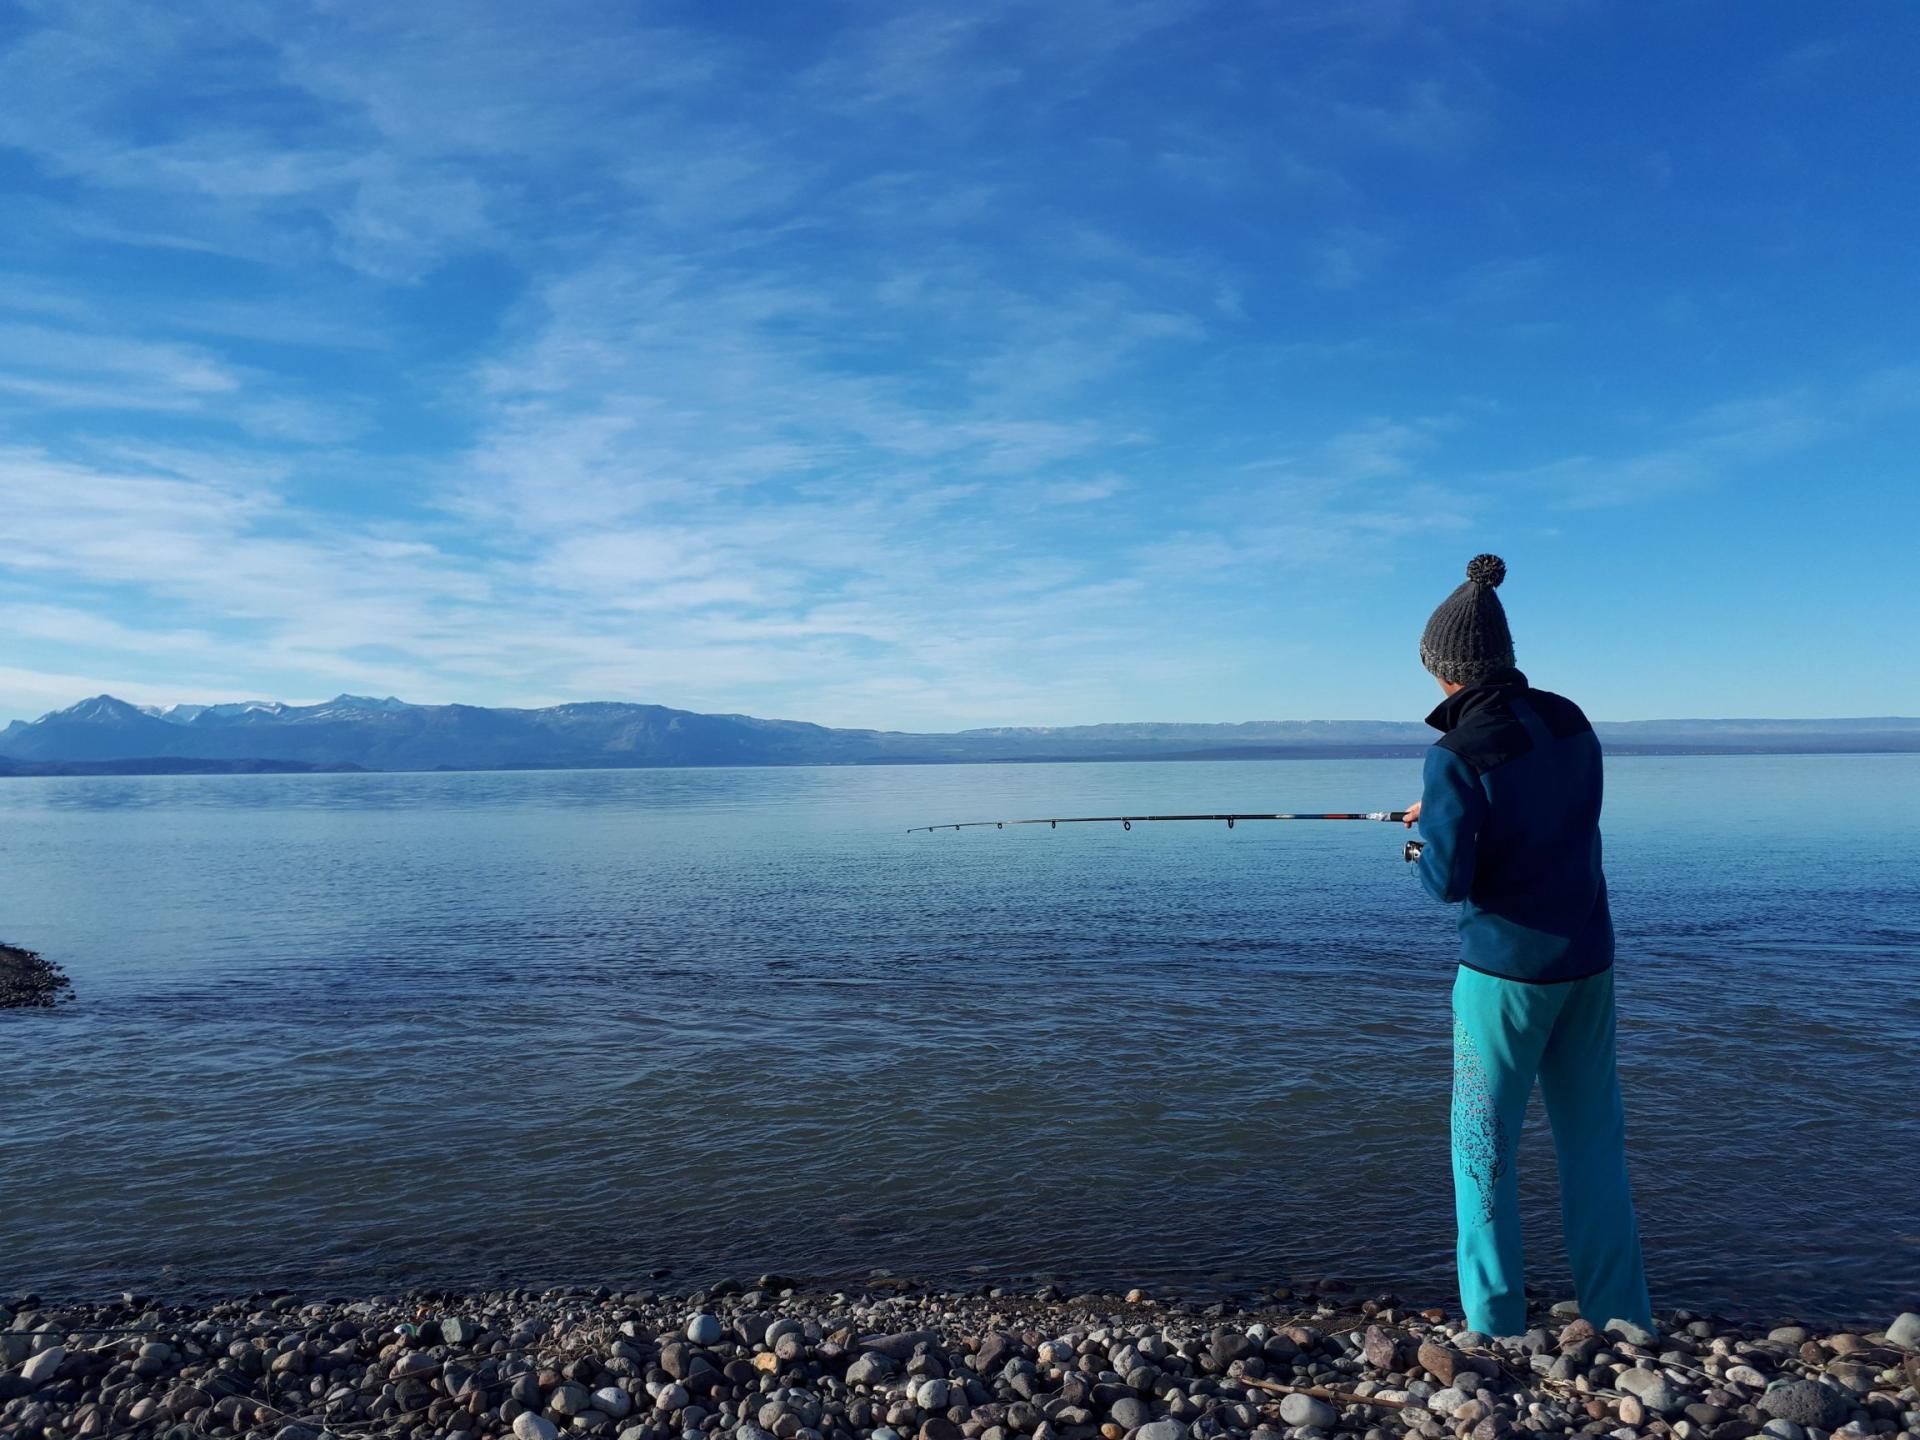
(1411, 851)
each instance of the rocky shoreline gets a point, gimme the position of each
(775, 1361)
(29, 982)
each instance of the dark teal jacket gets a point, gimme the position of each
(1510, 813)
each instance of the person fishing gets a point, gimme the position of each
(1509, 817)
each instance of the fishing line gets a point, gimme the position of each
(1410, 852)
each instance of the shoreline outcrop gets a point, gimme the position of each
(29, 982)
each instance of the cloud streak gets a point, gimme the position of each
(893, 366)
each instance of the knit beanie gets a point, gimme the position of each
(1467, 640)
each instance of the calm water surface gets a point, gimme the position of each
(354, 1031)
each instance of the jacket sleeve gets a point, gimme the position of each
(1452, 807)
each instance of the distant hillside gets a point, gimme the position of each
(393, 735)
(164, 765)
(107, 735)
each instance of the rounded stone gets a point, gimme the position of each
(1130, 1412)
(705, 1329)
(1631, 1333)
(612, 1401)
(1661, 1398)
(1306, 1410)
(1806, 1404)
(40, 1368)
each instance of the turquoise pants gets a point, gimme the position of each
(1505, 1035)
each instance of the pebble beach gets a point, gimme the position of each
(775, 1360)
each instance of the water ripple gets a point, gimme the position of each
(362, 1030)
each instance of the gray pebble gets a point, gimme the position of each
(1631, 1333)
(1130, 1411)
(1661, 1398)
(39, 1369)
(1805, 1403)
(1305, 1410)
(1905, 1331)
(705, 1329)
(869, 1369)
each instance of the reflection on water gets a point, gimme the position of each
(358, 1029)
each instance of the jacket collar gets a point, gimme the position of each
(1462, 703)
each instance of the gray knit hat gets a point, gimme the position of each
(1467, 639)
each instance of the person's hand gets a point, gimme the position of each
(1413, 814)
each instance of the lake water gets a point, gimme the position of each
(354, 1031)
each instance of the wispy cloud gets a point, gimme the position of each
(1692, 451)
(1347, 257)
(1429, 116)
(905, 365)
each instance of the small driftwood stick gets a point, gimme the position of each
(1321, 1392)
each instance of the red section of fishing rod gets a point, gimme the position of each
(1126, 821)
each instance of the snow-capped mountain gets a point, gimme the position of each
(180, 713)
(391, 734)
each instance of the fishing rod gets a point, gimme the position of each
(1410, 852)
(1126, 821)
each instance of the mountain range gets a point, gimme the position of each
(107, 735)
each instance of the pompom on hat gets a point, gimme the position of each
(1486, 570)
(1466, 640)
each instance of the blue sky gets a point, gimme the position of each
(942, 365)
